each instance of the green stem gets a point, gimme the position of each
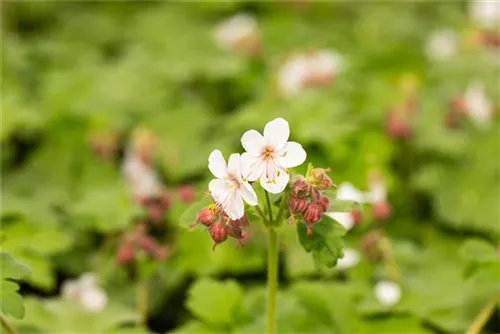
(142, 303)
(283, 204)
(483, 316)
(261, 214)
(272, 280)
(5, 325)
(270, 209)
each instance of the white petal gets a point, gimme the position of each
(233, 165)
(248, 194)
(377, 193)
(276, 186)
(343, 218)
(217, 164)
(94, 300)
(276, 133)
(348, 192)
(70, 289)
(219, 189)
(253, 142)
(350, 259)
(291, 155)
(235, 207)
(387, 293)
(88, 280)
(252, 167)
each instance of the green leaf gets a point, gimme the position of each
(12, 302)
(479, 251)
(325, 244)
(216, 303)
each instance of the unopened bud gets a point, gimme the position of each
(234, 230)
(318, 174)
(125, 254)
(397, 127)
(356, 215)
(147, 244)
(297, 205)
(313, 214)
(218, 232)
(324, 203)
(206, 216)
(325, 184)
(382, 210)
(300, 187)
(186, 193)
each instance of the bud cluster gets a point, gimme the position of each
(139, 241)
(306, 198)
(220, 226)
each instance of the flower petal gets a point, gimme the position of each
(233, 165)
(348, 192)
(253, 142)
(291, 155)
(217, 164)
(277, 185)
(235, 207)
(248, 194)
(252, 167)
(276, 133)
(343, 218)
(219, 189)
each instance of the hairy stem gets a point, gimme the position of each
(483, 316)
(272, 280)
(5, 325)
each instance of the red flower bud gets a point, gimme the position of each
(147, 244)
(318, 174)
(397, 127)
(155, 213)
(186, 193)
(313, 214)
(300, 187)
(324, 203)
(326, 183)
(218, 232)
(233, 230)
(356, 215)
(297, 205)
(241, 223)
(125, 254)
(382, 210)
(206, 216)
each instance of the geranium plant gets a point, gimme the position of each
(259, 186)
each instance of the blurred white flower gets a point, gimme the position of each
(387, 293)
(85, 291)
(308, 70)
(228, 189)
(269, 156)
(142, 180)
(239, 32)
(377, 192)
(485, 14)
(350, 259)
(442, 45)
(477, 105)
(347, 192)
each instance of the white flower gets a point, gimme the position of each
(350, 259)
(387, 293)
(292, 76)
(268, 157)
(377, 192)
(486, 14)
(86, 291)
(228, 189)
(143, 181)
(347, 192)
(477, 105)
(233, 31)
(441, 45)
(304, 70)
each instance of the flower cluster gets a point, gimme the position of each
(138, 241)
(267, 158)
(86, 291)
(474, 104)
(306, 198)
(312, 69)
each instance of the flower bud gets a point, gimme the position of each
(397, 127)
(297, 205)
(356, 216)
(147, 244)
(324, 203)
(234, 230)
(125, 254)
(313, 213)
(155, 212)
(326, 183)
(218, 232)
(300, 187)
(318, 174)
(206, 216)
(382, 210)
(186, 193)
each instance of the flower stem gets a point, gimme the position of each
(483, 316)
(270, 209)
(5, 325)
(142, 302)
(272, 280)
